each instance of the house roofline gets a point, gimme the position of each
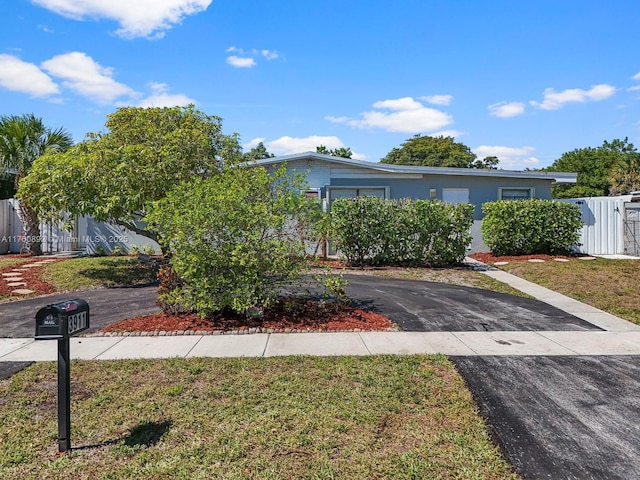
(557, 177)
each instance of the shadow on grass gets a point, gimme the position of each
(128, 275)
(146, 434)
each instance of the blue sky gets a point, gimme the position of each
(523, 80)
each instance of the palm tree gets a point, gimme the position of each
(22, 140)
(625, 175)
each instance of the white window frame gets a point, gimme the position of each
(532, 191)
(457, 189)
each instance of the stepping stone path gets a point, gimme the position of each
(14, 277)
(586, 258)
(22, 291)
(560, 259)
(501, 263)
(536, 260)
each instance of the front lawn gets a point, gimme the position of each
(395, 417)
(89, 272)
(610, 285)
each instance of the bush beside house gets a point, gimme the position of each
(373, 231)
(525, 227)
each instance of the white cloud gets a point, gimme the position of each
(447, 133)
(19, 76)
(86, 77)
(554, 100)
(160, 98)
(511, 158)
(137, 18)
(400, 104)
(506, 110)
(287, 145)
(636, 87)
(333, 119)
(269, 54)
(247, 59)
(241, 62)
(438, 99)
(407, 116)
(252, 143)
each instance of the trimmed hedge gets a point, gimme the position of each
(524, 227)
(373, 231)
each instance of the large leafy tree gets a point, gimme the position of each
(435, 152)
(116, 175)
(593, 166)
(256, 153)
(23, 140)
(344, 152)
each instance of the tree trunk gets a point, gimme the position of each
(31, 228)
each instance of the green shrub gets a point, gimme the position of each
(231, 239)
(369, 230)
(147, 249)
(358, 228)
(524, 227)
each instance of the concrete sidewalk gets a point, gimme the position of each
(618, 337)
(325, 344)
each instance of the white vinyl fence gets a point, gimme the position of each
(610, 226)
(87, 234)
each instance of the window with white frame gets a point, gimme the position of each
(455, 195)
(515, 193)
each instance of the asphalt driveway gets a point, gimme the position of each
(561, 417)
(431, 307)
(107, 305)
(414, 305)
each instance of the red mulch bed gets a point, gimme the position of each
(288, 315)
(491, 258)
(32, 278)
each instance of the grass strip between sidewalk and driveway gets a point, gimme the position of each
(610, 285)
(395, 417)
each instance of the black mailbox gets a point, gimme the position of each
(62, 320)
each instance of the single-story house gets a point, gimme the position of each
(334, 177)
(328, 178)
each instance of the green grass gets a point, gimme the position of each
(610, 285)
(13, 262)
(382, 417)
(88, 272)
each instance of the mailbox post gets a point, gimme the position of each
(60, 321)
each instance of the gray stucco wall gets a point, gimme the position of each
(481, 189)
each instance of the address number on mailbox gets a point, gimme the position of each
(62, 320)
